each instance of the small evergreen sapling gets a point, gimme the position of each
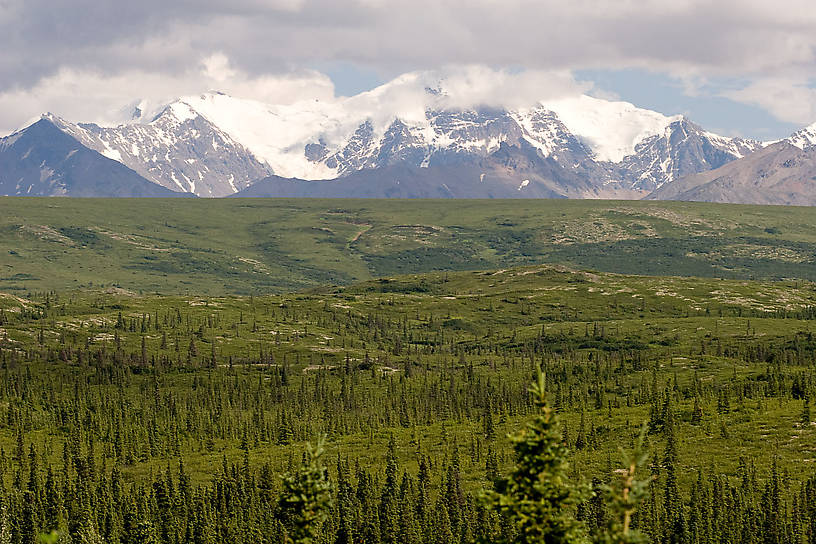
(624, 496)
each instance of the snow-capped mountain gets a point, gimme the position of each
(779, 174)
(43, 160)
(215, 145)
(681, 150)
(610, 143)
(179, 150)
(407, 121)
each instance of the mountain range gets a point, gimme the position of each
(410, 138)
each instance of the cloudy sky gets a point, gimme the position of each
(738, 67)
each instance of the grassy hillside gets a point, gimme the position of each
(248, 246)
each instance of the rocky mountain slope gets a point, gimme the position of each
(803, 138)
(179, 149)
(683, 149)
(509, 172)
(42, 160)
(781, 173)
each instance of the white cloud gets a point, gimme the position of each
(478, 85)
(474, 85)
(92, 96)
(156, 47)
(456, 87)
(217, 67)
(788, 99)
(112, 97)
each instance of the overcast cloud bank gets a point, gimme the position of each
(86, 59)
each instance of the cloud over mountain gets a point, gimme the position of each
(154, 46)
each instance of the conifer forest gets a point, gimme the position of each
(529, 404)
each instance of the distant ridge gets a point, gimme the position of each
(778, 174)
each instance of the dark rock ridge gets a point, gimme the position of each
(510, 172)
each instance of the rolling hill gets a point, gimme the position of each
(272, 245)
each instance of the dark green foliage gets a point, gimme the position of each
(538, 496)
(306, 497)
(624, 496)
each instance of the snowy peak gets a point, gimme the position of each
(545, 131)
(179, 111)
(803, 138)
(683, 148)
(44, 160)
(611, 129)
(214, 144)
(277, 135)
(179, 149)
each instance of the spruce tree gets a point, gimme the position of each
(538, 497)
(306, 497)
(674, 529)
(5, 526)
